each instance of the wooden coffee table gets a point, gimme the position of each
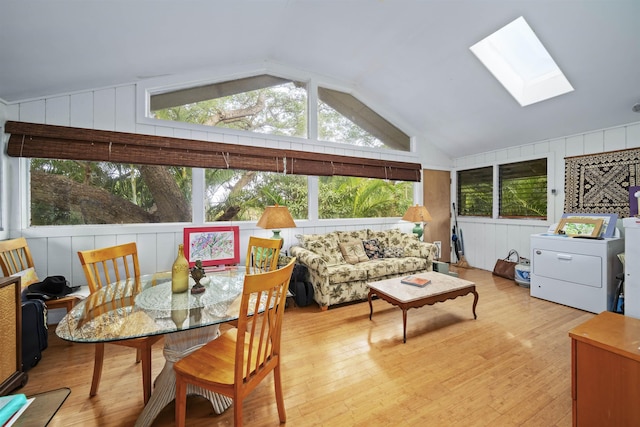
(442, 287)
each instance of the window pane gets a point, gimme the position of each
(242, 195)
(262, 104)
(343, 118)
(66, 192)
(475, 192)
(523, 189)
(349, 197)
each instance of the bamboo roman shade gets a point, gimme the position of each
(60, 142)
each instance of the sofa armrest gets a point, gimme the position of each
(310, 259)
(428, 250)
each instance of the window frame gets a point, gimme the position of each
(495, 217)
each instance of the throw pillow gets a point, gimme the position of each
(327, 247)
(353, 252)
(372, 249)
(393, 252)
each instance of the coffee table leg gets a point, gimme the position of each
(404, 325)
(475, 302)
(370, 305)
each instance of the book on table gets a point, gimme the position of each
(415, 281)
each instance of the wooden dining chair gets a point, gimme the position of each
(262, 255)
(107, 265)
(236, 362)
(15, 257)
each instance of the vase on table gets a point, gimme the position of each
(180, 272)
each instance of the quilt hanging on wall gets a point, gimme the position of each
(599, 183)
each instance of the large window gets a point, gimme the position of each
(83, 176)
(521, 190)
(68, 192)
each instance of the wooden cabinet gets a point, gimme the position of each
(605, 371)
(11, 373)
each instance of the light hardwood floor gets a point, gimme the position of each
(510, 367)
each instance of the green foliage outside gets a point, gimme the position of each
(121, 180)
(350, 197)
(524, 197)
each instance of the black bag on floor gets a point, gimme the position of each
(302, 293)
(35, 338)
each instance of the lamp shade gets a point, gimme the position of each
(417, 213)
(275, 218)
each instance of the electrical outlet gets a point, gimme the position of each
(438, 244)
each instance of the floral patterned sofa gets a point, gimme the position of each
(340, 263)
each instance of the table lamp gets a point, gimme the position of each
(417, 214)
(276, 218)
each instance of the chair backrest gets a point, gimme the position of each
(260, 321)
(15, 256)
(111, 264)
(262, 254)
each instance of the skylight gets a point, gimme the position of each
(517, 58)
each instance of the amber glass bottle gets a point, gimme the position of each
(180, 272)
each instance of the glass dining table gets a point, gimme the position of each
(145, 306)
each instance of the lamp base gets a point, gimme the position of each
(276, 235)
(417, 230)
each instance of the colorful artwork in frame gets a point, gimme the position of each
(579, 227)
(214, 246)
(609, 222)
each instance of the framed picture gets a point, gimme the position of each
(580, 226)
(608, 225)
(212, 245)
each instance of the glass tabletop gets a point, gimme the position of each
(145, 306)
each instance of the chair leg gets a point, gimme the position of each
(237, 412)
(138, 355)
(97, 368)
(279, 396)
(146, 371)
(181, 402)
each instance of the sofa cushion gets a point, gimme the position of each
(305, 239)
(327, 248)
(395, 238)
(347, 273)
(353, 252)
(393, 252)
(411, 265)
(352, 236)
(411, 244)
(372, 249)
(381, 268)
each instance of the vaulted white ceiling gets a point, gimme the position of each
(408, 58)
